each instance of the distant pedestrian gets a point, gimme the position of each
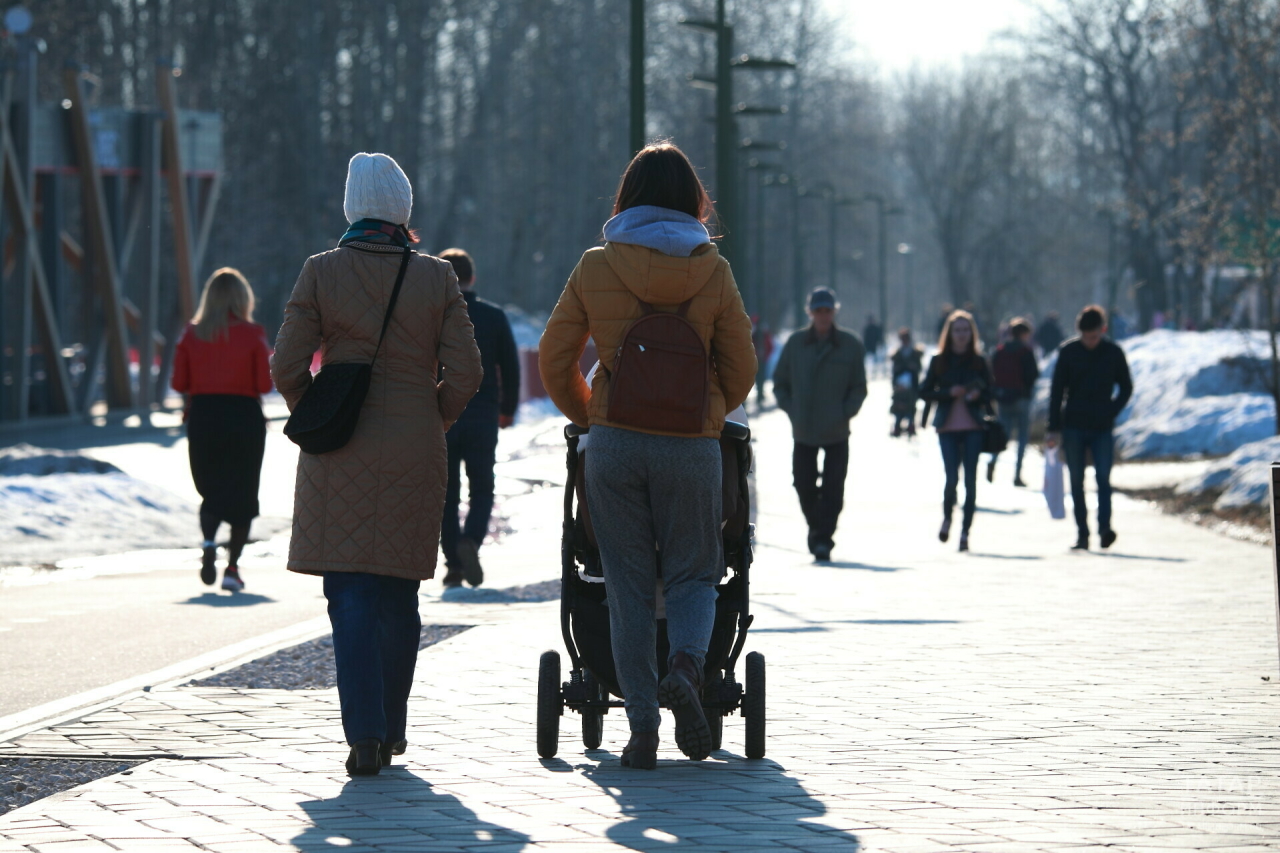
(1083, 407)
(653, 470)
(1016, 371)
(762, 340)
(1049, 336)
(907, 362)
(366, 516)
(821, 383)
(959, 384)
(873, 336)
(473, 440)
(221, 363)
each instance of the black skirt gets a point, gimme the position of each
(226, 437)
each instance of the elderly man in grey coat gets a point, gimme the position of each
(820, 382)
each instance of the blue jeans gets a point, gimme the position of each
(1016, 415)
(376, 632)
(1101, 444)
(645, 491)
(473, 444)
(963, 446)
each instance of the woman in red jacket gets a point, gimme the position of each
(222, 364)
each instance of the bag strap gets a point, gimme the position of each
(391, 304)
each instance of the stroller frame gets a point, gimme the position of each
(591, 688)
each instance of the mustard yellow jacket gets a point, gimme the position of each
(603, 298)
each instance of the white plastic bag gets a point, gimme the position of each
(1053, 485)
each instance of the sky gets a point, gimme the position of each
(896, 34)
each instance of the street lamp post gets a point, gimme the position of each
(784, 181)
(758, 277)
(883, 212)
(637, 76)
(908, 254)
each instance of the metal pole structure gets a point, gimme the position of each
(726, 137)
(831, 243)
(882, 265)
(1275, 550)
(637, 76)
(907, 252)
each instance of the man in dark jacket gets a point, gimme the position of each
(1090, 368)
(1016, 371)
(820, 382)
(473, 440)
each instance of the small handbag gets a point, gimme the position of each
(326, 416)
(995, 438)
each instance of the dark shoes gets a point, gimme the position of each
(964, 541)
(469, 556)
(822, 553)
(389, 749)
(209, 571)
(231, 580)
(1017, 481)
(1082, 543)
(944, 532)
(1108, 538)
(452, 577)
(681, 691)
(365, 758)
(641, 752)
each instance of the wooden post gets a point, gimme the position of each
(1275, 549)
(105, 269)
(184, 255)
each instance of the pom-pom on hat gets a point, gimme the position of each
(377, 188)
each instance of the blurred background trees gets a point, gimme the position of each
(1122, 151)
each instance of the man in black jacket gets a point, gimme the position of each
(1090, 369)
(473, 440)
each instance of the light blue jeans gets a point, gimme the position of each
(651, 495)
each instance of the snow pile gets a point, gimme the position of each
(1244, 477)
(1194, 393)
(55, 503)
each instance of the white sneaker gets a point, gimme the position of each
(231, 580)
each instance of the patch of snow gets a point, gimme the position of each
(1244, 477)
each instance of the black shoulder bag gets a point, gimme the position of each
(326, 416)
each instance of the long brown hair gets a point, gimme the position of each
(226, 294)
(661, 175)
(944, 340)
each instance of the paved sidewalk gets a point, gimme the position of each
(1019, 697)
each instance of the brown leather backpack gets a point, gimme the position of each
(661, 375)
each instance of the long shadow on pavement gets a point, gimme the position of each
(729, 804)
(399, 810)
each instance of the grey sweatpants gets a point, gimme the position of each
(651, 494)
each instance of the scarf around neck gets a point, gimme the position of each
(375, 231)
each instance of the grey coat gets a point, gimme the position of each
(821, 384)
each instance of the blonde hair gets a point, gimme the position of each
(226, 293)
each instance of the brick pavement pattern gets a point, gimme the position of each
(1019, 697)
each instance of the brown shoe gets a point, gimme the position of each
(641, 752)
(681, 691)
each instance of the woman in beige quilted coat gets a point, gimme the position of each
(651, 484)
(367, 516)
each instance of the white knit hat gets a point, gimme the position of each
(377, 189)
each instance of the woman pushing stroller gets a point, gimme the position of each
(660, 302)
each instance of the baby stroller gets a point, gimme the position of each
(584, 617)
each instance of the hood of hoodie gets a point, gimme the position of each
(669, 231)
(661, 279)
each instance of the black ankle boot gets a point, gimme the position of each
(681, 691)
(641, 752)
(390, 749)
(365, 758)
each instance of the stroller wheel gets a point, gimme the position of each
(550, 704)
(592, 721)
(753, 705)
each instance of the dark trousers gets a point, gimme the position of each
(820, 503)
(471, 444)
(1101, 445)
(961, 448)
(1015, 415)
(376, 632)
